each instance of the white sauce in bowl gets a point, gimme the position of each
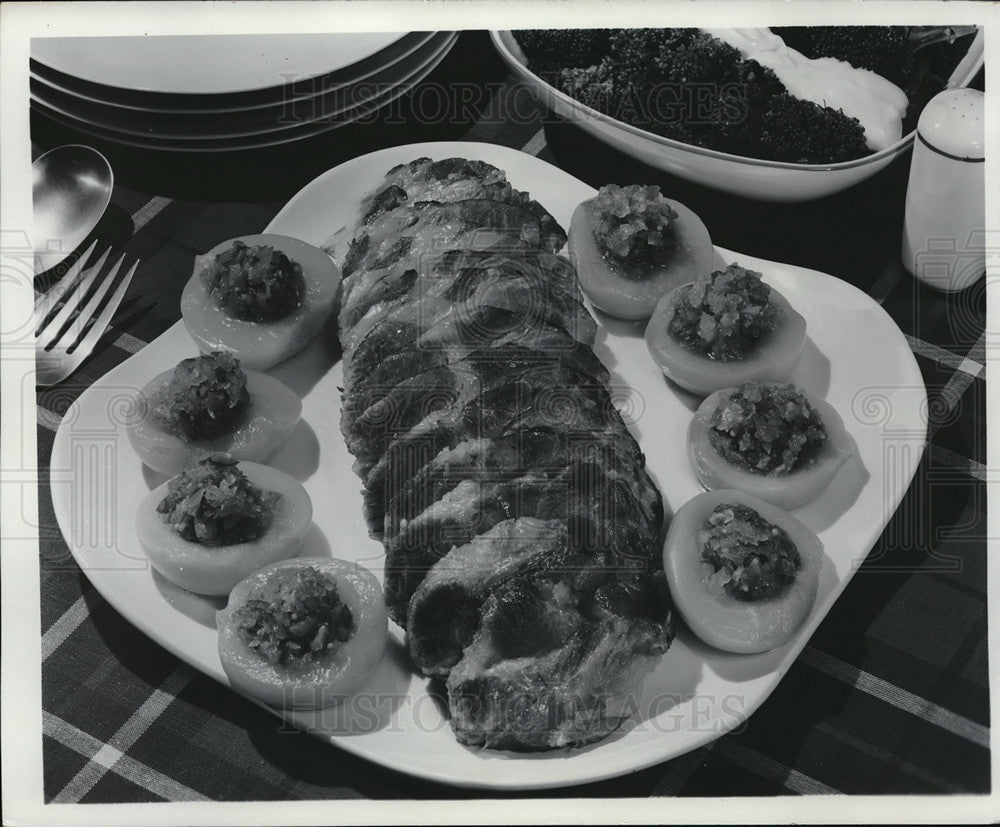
(859, 93)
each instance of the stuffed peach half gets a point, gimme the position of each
(743, 573)
(209, 404)
(781, 443)
(303, 633)
(725, 328)
(631, 245)
(261, 297)
(218, 521)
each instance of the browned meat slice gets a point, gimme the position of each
(553, 663)
(524, 403)
(451, 179)
(444, 611)
(386, 363)
(427, 180)
(429, 278)
(376, 263)
(450, 387)
(511, 454)
(430, 321)
(595, 503)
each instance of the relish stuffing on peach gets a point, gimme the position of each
(631, 245)
(261, 297)
(776, 441)
(209, 404)
(751, 559)
(724, 313)
(767, 429)
(218, 521)
(255, 284)
(295, 620)
(303, 633)
(213, 503)
(725, 328)
(203, 397)
(743, 573)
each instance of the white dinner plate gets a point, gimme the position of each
(125, 102)
(292, 112)
(855, 357)
(206, 64)
(749, 177)
(295, 132)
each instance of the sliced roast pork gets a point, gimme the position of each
(522, 531)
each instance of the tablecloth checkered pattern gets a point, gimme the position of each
(890, 695)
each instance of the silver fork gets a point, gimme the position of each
(63, 339)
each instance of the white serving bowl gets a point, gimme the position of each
(749, 177)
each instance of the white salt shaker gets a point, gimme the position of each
(944, 238)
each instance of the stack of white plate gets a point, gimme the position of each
(213, 93)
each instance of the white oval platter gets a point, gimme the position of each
(855, 357)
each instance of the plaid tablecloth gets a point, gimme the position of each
(890, 695)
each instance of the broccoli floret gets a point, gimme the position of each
(692, 87)
(806, 133)
(741, 106)
(698, 89)
(595, 86)
(549, 50)
(885, 50)
(606, 88)
(674, 55)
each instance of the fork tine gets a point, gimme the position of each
(47, 303)
(59, 322)
(86, 345)
(88, 311)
